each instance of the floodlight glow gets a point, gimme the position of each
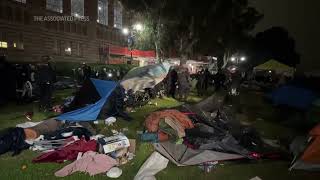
(233, 59)
(125, 31)
(242, 58)
(138, 27)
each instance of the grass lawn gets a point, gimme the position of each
(257, 113)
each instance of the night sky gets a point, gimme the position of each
(302, 19)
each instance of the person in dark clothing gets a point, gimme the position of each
(219, 80)
(172, 82)
(86, 71)
(206, 75)
(45, 79)
(12, 139)
(200, 82)
(183, 83)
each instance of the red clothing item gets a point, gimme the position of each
(69, 152)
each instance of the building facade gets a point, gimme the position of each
(67, 30)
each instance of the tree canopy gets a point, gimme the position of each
(190, 27)
(275, 43)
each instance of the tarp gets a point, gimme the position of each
(310, 156)
(181, 155)
(91, 111)
(274, 65)
(149, 76)
(293, 96)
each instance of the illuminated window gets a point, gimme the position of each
(14, 45)
(77, 9)
(55, 5)
(21, 1)
(67, 48)
(103, 12)
(3, 44)
(117, 14)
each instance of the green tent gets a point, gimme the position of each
(273, 65)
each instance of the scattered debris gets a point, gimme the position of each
(154, 164)
(114, 172)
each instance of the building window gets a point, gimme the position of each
(18, 42)
(56, 47)
(18, 15)
(81, 50)
(117, 14)
(55, 5)
(77, 8)
(67, 48)
(3, 44)
(26, 17)
(103, 12)
(3, 40)
(21, 1)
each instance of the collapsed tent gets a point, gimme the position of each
(293, 96)
(95, 99)
(140, 78)
(309, 158)
(181, 155)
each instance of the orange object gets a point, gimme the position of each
(153, 120)
(30, 134)
(162, 136)
(312, 152)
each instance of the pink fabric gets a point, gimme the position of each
(91, 162)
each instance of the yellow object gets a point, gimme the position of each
(23, 167)
(276, 66)
(3, 44)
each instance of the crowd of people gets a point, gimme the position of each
(85, 71)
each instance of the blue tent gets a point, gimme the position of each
(293, 96)
(90, 112)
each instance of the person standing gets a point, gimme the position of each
(86, 71)
(45, 79)
(172, 82)
(183, 83)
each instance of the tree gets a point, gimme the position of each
(275, 43)
(204, 27)
(149, 12)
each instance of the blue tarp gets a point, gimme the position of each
(91, 112)
(293, 96)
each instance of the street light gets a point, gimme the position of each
(233, 59)
(242, 58)
(125, 31)
(138, 27)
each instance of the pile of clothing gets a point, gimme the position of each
(77, 142)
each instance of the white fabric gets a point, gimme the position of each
(110, 120)
(28, 124)
(154, 164)
(114, 172)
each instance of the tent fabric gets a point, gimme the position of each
(274, 66)
(141, 78)
(310, 156)
(181, 155)
(293, 96)
(312, 152)
(91, 111)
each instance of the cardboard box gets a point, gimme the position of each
(114, 143)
